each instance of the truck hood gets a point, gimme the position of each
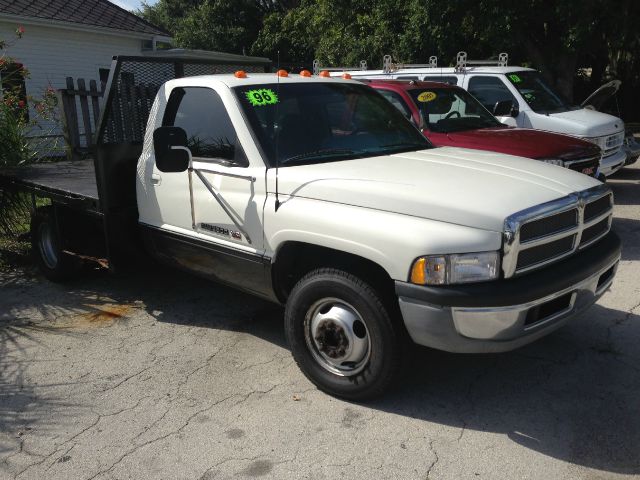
(455, 185)
(525, 143)
(585, 123)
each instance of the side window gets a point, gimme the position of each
(489, 91)
(404, 77)
(451, 80)
(397, 101)
(210, 133)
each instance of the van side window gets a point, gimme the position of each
(489, 91)
(439, 78)
(397, 101)
(210, 133)
(412, 77)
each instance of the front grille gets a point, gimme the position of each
(545, 252)
(549, 225)
(588, 166)
(597, 208)
(549, 232)
(610, 144)
(594, 232)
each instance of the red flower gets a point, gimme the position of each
(21, 104)
(20, 31)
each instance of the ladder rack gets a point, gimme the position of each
(462, 62)
(317, 68)
(388, 66)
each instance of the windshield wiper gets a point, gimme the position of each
(324, 153)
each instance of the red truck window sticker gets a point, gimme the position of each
(426, 97)
(515, 78)
(261, 97)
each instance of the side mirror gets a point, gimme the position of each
(171, 151)
(515, 111)
(503, 108)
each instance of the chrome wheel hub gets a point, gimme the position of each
(337, 336)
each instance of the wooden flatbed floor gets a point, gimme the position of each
(70, 182)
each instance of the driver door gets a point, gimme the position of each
(216, 222)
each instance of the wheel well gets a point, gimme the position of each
(295, 259)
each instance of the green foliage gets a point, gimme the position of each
(557, 37)
(18, 142)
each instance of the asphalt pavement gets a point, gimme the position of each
(160, 375)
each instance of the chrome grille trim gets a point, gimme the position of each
(595, 158)
(511, 236)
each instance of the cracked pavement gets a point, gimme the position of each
(161, 375)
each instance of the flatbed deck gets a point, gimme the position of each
(69, 182)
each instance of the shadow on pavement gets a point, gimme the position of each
(572, 396)
(625, 185)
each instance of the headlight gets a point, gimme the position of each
(456, 268)
(554, 161)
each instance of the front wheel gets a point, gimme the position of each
(341, 335)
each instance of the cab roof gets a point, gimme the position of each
(231, 80)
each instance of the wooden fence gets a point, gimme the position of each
(80, 124)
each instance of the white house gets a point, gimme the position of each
(72, 38)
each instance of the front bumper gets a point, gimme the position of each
(632, 149)
(506, 314)
(611, 164)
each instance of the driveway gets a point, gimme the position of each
(160, 375)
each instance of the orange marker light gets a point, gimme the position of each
(418, 274)
(325, 73)
(240, 74)
(346, 76)
(305, 73)
(282, 73)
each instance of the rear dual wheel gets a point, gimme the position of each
(341, 335)
(53, 262)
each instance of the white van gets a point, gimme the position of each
(535, 104)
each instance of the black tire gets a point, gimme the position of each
(376, 371)
(54, 264)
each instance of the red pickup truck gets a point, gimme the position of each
(449, 116)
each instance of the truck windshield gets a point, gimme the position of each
(302, 123)
(540, 96)
(446, 110)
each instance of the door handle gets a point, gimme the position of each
(156, 179)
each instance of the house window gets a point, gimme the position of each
(14, 89)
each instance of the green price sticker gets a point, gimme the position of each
(261, 97)
(515, 78)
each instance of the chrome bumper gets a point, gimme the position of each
(499, 329)
(611, 164)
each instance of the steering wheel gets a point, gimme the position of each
(451, 114)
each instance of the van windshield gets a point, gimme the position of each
(315, 122)
(447, 110)
(538, 94)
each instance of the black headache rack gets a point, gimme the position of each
(131, 89)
